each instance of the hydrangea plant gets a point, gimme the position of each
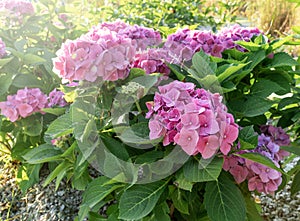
(182, 128)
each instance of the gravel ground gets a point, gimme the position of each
(282, 206)
(44, 204)
(39, 204)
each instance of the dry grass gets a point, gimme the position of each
(275, 17)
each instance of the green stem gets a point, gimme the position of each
(138, 107)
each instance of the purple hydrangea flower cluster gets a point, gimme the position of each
(193, 118)
(237, 33)
(142, 37)
(56, 98)
(184, 43)
(260, 177)
(2, 49)
(178, 45)
(23, 104)
(17, 8)
(152, 61)
(99, 53)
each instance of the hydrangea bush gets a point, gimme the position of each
(181, 128)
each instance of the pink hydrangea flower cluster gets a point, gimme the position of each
(260, 178)
(184, 43)
(142, 37)
(99, 53)
(2, 49)
(28, 101)
(153, 61)
(23, 104)
(56, 98)
(17, 8)
(193, 118)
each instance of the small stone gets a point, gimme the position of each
(60, 193)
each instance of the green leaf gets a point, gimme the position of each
(161, 213)
(61, 174)
(256, 157)
(180, 72)
(263, 88)
(182, 182)
(147, 81)
(255, 106)
(19, 44)
(139, 200)
(288, 101)
(203, 170)
(251, 46)
(230, 71)
(59, 127)
(203, 65)
(149, 157)
(81, 176)
(248, 137)
(295, 187)
(252, 212)
(260, 39)
(115, 147)
(279, 42)
(32, 125)
(4, 61)
(235, 54)
(136, 72)
(83, 212)
(96, 217)
(255, 58)
(136, 134)
(180, 202)
(293, 148)
(112, 212)
(283, 79)
(224, 201)
(228, 86)
(55, 111)
(62, 168)
(211, 83)
(43, 153)
(282, 59)
(98, 189)
(32, 59)
(5, 82)
(27, 80)
(27, 176)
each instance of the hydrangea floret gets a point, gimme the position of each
(193, 118)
